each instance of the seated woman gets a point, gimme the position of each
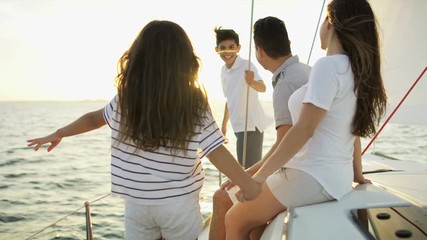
(343, 100)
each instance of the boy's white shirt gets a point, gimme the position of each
(234, 88)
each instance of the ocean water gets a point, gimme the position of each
(37, 189)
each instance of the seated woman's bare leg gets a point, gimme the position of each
(243, 218)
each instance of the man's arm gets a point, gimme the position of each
(280, 133)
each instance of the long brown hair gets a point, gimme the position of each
(160, 99)
(355, 26)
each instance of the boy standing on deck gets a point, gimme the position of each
(273, 52)
(235, 77)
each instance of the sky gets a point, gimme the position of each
(68, 49)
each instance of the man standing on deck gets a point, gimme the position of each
(273, 52)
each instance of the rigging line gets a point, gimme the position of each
(395, 109)
(315, 33)
(245, 134)
(57, 221)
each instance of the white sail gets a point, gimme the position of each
(403, 33)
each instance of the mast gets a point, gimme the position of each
(245, 135)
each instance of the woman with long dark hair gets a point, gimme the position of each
(161, 128)
(344, 99)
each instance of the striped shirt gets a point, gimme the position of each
(159, 177)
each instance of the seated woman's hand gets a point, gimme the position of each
(360, 179)
(250, 193)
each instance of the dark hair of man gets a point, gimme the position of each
(161, 101)
(355, 26)
(226, 34)
(271, 35)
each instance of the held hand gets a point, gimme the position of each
(227, 185)
(249, 77)
(251, 171)
(53, 138)
(250, 193)
(259, 178)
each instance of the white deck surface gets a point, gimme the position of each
(333, 220)
(407, 180)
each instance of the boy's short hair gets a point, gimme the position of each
(226, 34)
(271, 35)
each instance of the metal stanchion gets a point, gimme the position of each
(88, 222)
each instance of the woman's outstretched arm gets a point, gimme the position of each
(85, 123)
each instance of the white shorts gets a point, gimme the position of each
(180, 221)
(294, 188)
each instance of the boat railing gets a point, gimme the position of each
(86, 205)
(89, 235)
